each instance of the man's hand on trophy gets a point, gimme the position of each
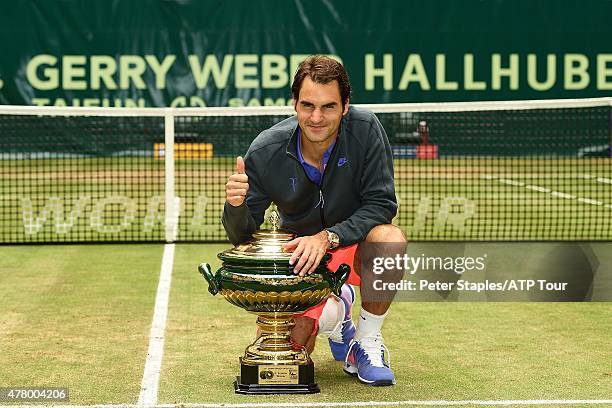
(307, 251)
(237, 185)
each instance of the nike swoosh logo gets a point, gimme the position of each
(342, 161)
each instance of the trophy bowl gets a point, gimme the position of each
(256, 276)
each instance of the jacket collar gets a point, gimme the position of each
(292, 143)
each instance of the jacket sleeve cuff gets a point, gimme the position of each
(236, 221)
(240, 211)
(338, 232)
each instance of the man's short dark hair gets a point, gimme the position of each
(321, 69)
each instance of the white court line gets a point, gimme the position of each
(538, 188)
(598, 179)
(343, 404)
(150, 378)
(604, 180)
(511, 182)
(562, 195)
(553, 193)
(589, 201)
(524, 176)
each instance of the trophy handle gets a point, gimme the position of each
(213, 286)
(336, 280)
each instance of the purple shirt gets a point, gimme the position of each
(312, 172)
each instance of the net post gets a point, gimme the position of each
(610, 127)
(172, 203)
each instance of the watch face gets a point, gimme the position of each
(333, 239)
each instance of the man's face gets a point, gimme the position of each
(319, 110)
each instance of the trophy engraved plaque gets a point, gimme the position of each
(256, 276)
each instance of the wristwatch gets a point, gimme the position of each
(333, 239)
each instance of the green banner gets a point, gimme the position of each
(210, 53)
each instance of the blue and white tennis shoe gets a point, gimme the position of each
(366, 360)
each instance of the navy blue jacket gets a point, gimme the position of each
(357, 191)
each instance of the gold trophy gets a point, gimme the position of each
(257, 277)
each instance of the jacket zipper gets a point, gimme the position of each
(321, 198)
(322, 201)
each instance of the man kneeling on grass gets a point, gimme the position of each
(329, 170)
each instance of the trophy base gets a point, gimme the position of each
(274, 388)
(276, 379)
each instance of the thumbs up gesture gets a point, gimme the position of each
(237, 185)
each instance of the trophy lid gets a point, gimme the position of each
(265, 244)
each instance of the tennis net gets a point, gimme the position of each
(524, 170)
